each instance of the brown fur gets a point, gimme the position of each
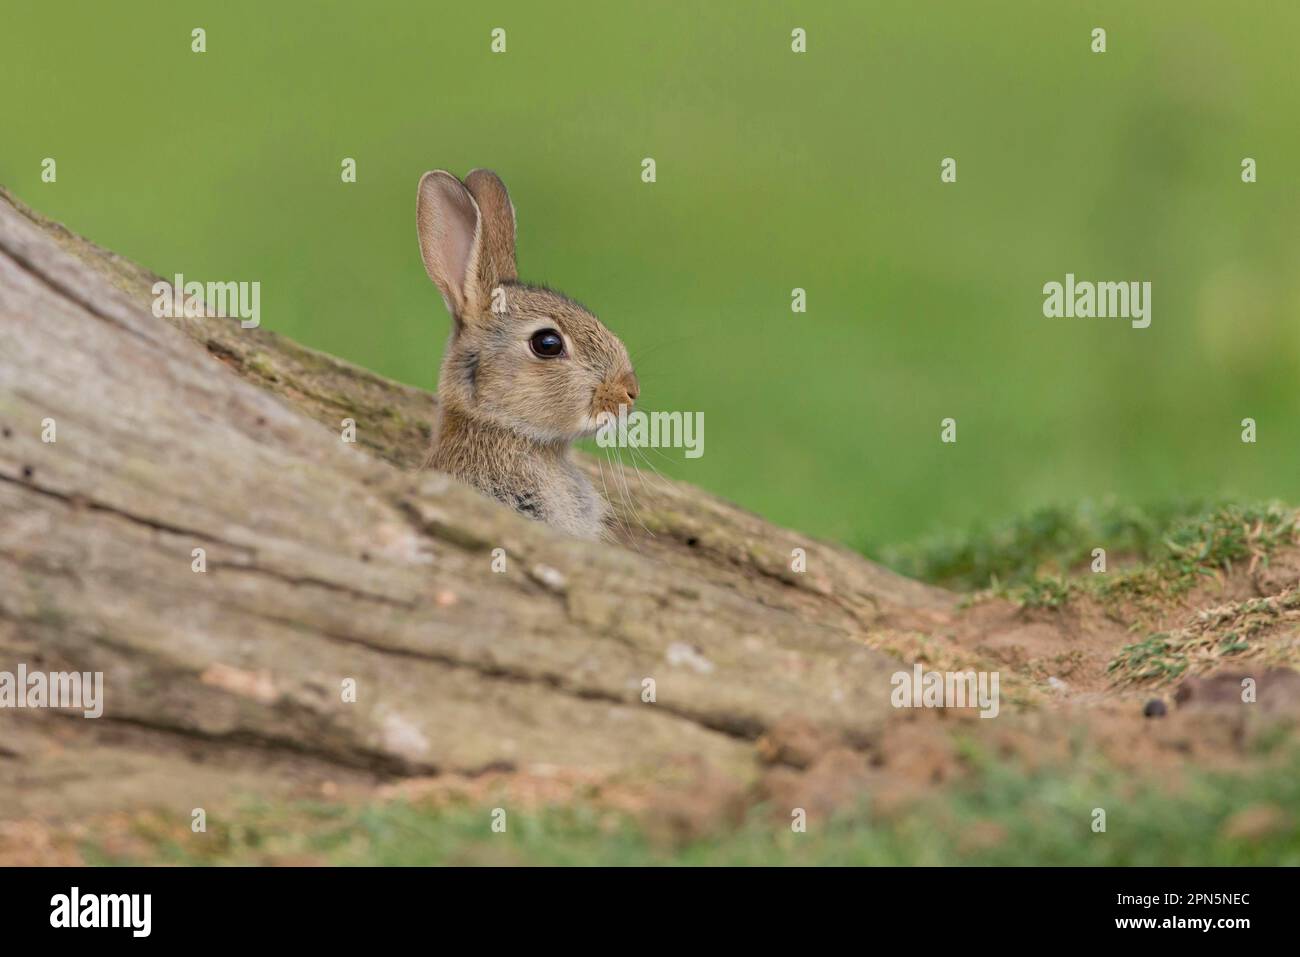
(508, 418)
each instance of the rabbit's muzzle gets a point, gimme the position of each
(620, 391)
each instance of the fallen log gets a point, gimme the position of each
(199, 532)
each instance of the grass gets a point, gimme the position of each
(1157, 658)
(1050, 592)
(1229, 536)
(1048, 541)
(1214, 543)
(1003, 815)
(1235, 630)
(1165, 550)
(1169, 550)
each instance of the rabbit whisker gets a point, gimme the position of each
(637, 468)
(658, 476)
(608, 498)
(642, 353)
(628, 497)
(658, 453)
(624, 510)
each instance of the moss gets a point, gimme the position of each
(261, 366)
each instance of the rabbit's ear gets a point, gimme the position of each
(497, 262)
(451, 238)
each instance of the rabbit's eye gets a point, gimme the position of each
(547, 344)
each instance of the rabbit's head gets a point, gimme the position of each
(521, 357)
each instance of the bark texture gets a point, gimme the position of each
(328, 561)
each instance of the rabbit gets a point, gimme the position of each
(526, 371)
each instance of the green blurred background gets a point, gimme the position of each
(775, 170)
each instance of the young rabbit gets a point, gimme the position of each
(526, 371)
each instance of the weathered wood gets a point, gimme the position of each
(328, 561)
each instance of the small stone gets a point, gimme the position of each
(257, 685)
(1155, 709)
(680, 653)
(548, 577)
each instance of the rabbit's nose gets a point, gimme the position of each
(631, 386)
